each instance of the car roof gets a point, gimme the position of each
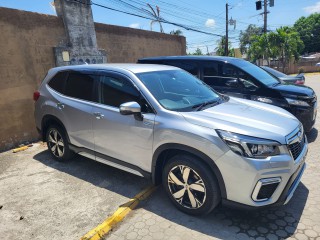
(132, 67)
(193, 57)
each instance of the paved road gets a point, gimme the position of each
(44, 199)
(300, 219)
(58, 200)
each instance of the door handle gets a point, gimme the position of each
(98, 115)
(60, 105)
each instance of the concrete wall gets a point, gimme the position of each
(26, 45)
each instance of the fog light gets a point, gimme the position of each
(265, 188)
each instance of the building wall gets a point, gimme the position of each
(26, 45)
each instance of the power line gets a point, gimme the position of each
(159, 19)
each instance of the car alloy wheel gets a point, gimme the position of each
(55, 142)
(187, 187)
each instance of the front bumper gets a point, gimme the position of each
(241, 176)
(306, 115)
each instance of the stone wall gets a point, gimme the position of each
(26, 44)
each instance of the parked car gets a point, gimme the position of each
(239, 78)
(298, 79)
(161, 122)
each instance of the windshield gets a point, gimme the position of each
(258, 73)
(274, 72)
(178, 90)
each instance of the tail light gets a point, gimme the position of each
(36, 95)
(300, 82)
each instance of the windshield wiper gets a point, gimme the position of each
(276, 84)
(202, 105)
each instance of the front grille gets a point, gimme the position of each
(296, 144)
(266, 191)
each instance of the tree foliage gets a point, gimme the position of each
(309, 31)
(220, 49)
(247, 37)
(283, 44)
(177, 32)
(197, 52)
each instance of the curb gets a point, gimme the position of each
(105, 227)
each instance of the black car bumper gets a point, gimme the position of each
(306, 115)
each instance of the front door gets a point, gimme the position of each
(118, 136)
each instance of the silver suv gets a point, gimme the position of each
(161, 122)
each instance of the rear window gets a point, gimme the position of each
(58, 81)
(80, 86)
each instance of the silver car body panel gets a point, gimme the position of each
(135, 142)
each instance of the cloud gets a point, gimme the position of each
(134, 25)
(210, 23)
(313, 9)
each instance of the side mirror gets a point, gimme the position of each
(131, 108)
(234, 83)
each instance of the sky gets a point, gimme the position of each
(202, 15)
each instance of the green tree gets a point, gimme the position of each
(177, 32)
(247, 37)
(283, 44)
(309, 31)
(197, 52)
(220, 49)
(255, 51)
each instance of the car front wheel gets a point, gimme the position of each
(190, 185)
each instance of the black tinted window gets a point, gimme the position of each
(58, 81)
(211, 69)
(188, 66)
(80, 86)
(115, 91)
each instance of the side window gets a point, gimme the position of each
(211, 73)
(58, 82)
(188, 66)
(80, 86)
(116, 90)
(229, 71)
(236, 78)
(247, 81)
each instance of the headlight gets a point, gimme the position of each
(249, 146)
(296, 102)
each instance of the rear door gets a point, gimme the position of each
(73, 106)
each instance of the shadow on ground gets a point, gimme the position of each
(225, 223)
(271, 223)
(98, 174)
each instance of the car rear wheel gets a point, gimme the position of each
(57, 143)
(190, 185)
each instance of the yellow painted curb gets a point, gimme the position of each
(102, 229)
(20, 149)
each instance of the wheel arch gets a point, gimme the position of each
(168, 150)
(49, 120)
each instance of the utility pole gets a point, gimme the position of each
(265, 12)
(226, 51)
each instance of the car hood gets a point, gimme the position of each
(289, 90)
(248, 118)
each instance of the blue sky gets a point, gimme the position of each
(204, 15)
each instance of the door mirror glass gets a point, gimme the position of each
(131, 108)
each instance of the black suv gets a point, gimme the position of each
(239, 78)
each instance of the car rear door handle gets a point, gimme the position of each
(98, 115)
(60, 105)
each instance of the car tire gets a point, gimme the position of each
(190, 185)
(58, 144)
